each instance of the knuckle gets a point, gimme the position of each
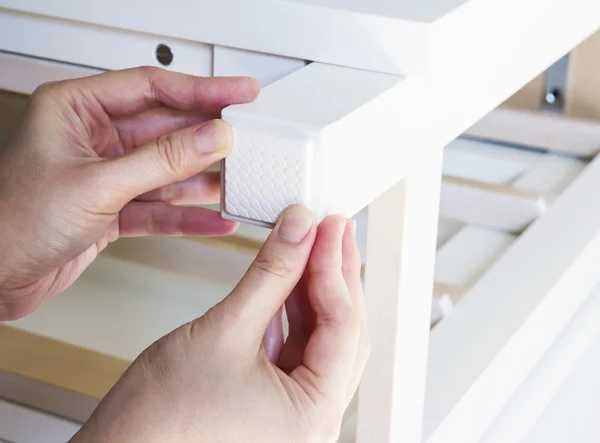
(274, 266)
(47, 93)
(148, 70)
(337, 311)
(171, 154)
(42, 91)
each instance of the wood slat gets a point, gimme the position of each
(60, 364)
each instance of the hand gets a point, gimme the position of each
(212, 380)
(104, 157)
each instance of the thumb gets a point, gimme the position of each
(273, 274)
(171, 158)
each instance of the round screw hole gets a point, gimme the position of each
(164, 56)
(554, 96)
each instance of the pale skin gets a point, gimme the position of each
(117, 155)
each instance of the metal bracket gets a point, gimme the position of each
(555, 85)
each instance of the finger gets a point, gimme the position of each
(299, 312)
(301, 322)
(273, 338)
(351, 269)
(201, 189)
(172, 158)
(157, 218)
(131, 91)
(330, 354)
(142, 128)
(352, 263)
(273, 274)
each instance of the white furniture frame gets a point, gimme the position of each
(460, 63)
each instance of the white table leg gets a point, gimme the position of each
(400, 263)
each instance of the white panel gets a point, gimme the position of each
(398, 287)
(266, 68)
(540, 130)
(24, 74)
(97, 46)
(563, 419)
(446, 230)
(174, 281)
(469, 254)
(368, 35)
(21, 425)
(498, 333)
(572, 416)
(552, 174)
(488, 162)
(490, 206)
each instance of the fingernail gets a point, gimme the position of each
(295, 224)
(214, 136)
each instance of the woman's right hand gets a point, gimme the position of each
(229, 377)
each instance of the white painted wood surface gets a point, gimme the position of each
(532, 412)
(328, 101)
(266, 68)
(145, 288)
(398, 283)
(487, 161)
(552, 174)
(23, 74)
(96, 46)
(539, 130)
(510, 318)
(463, 259)
(367, 35)
(498, 207)
(572, 416)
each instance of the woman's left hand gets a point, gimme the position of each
(108, 156)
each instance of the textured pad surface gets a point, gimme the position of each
(265, 174)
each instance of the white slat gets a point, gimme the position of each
(469, 254)
(552, 174)
(539, 130)
(487, 162)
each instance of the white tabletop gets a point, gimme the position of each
(425, 11)
(403, 37)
